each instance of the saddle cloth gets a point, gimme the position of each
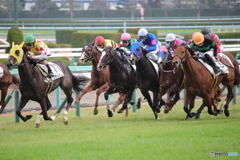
(1, 72)
(154, 65)
(55, 69)
(222, 67)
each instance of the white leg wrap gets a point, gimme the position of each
(38, 121)
(65, 116)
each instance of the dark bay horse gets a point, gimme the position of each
(99, 79)
(6, 79)
(147, 77)
(171, 80)
(122, 78)
(34, 86)
(198, 81)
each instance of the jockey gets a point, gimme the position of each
(126, 43)
(172, 42)
(206, 47)
(151, 43)
(38, 50)
(206, 31)
(100, 42)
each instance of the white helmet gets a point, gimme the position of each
(142, 32)
(170, 37)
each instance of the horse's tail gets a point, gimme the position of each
(79, 82)
(15, 80)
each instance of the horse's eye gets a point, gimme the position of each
(165, 54)
(17, 52)
(183, 52)
(138, 49)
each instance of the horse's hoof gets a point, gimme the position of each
(95, 112)
(166, 111)
(193, 114)
(28, 117)
(120, 110)
(110, 114)
(37, 125)
(227, 113)
(138, 105)
(197, 116)
(65, 122)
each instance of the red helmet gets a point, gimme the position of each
(99, 40)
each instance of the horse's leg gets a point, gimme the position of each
(199, 111)
(3, 96)
(119, 101)
(139, 102)
(68, 93)
(191, 106)
(189, 100)
(148, 97)
(43, 105)
(228, 100)
(87, 89)
(176, 98)
(23, 102)
(106, 94)
(98, 92)
(40, 116)
(155, 103)
(162, 92)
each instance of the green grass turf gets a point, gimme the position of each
(137, 137)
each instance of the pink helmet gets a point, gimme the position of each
(125, 37)
(99, 39)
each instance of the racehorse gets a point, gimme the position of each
(122, 78)
(6, 79)
(35, 86)
(147, 76)
(99, 79)
(198, 81)
(171, 81)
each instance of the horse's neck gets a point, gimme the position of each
(141, 63)
(25, 70)
(190, 66)
(116, 63)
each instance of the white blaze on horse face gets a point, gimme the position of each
(160, 59)
(102, 55)
(82, 58)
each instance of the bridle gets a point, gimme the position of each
(90, 55)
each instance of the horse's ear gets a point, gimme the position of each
(13, 44)
(21, 45)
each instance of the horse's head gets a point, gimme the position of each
(163, 55)
(87, 53)
(105, 58)
(136, 52)
(181, 54)
(15, 56)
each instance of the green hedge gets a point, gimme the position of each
(64, 36)
(14, 35)
(78, 38)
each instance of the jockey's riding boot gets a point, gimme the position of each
(50, 73)
(212, 63)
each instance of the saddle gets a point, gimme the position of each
(55, 69)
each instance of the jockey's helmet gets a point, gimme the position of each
(99, 40)
(170, 37)
(125, 37)
(205, 31)
(198, 38)
(142, 32)
(29, 38)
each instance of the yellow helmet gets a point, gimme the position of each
(198, 38)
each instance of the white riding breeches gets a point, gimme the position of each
(210, 53)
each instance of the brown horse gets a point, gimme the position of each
(198, 81)
(6, 79)
(171, 81)
(99, 79)
(35, 86)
